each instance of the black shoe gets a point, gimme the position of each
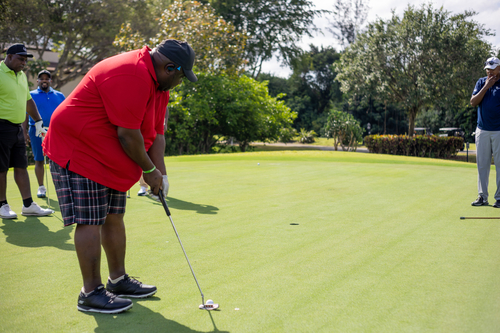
(497, 204)
(130, 287)
(102, 301)
(480, 202)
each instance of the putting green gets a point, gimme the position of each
(304, 242)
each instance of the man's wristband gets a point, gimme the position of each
(149, 171)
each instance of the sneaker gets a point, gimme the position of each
(143, 191)
(102, 301)
(153, 196)
(480, 202)
(130, 287)
(35, 210)
(497, 204)
(42, 192)
(7, 213)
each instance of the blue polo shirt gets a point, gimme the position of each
(46, 103)
(488, 111)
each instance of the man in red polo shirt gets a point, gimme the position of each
(101, 138)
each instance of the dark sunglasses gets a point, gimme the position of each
(491, 63)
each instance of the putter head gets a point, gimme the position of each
(209, 306)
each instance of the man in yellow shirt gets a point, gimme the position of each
(15, 101)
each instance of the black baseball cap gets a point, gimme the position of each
(44, 72)
(181, 53)
(19, 49)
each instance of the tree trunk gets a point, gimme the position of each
(385, 118)
(411, 121)
(243, 146)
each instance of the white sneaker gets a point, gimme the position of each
(142, 192)
(7, 213)
(35, 210)
(42, 192)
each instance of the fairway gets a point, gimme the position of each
(307, 241)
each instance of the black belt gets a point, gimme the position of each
(8, 122)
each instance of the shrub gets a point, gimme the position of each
(419, 145)
(307, 136)
(344, 129)
(287, 134)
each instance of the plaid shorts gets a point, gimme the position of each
(82, 200)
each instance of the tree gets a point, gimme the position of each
(224, 106)
(218, 46)
(311, 89)
(348, 16)
(273, 26)
(82, 31)
(344, 129)
(428, 57)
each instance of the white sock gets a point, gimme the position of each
(117, 279)
(83, 291)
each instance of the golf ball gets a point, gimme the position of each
(258, 163)
(210, 302)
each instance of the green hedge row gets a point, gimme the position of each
(419, 145)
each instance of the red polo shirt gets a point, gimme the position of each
(119, 91)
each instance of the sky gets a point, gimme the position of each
(488, 14)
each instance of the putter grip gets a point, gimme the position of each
(162, 199)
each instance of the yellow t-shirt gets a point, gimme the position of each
(14, 93)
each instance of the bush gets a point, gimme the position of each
(344, 129)
(307, 136)
(223, 106)
(287, 134)
(419, 145)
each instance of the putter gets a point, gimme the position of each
(479, 218)
(46, 178)
(210, 304)
(46, 173)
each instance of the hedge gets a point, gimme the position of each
(419, 145)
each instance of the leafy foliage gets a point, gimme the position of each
(426, 58)
(348, 16)
(311, 89)
(217, 44)
(82, 31)
(34, 67)
(273, 26)
(343, 129)
(419, 145)
(287, 134)
(306, 136)
(223, 106)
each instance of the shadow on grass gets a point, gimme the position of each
(141, 319)
(33, 233)
(186, 205)
(54, 203)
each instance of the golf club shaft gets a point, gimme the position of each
(162, 199)
(480, 218)
(46, 178)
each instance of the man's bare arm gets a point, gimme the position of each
(133, 145)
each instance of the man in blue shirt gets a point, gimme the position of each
(486, 96)
(46, 100)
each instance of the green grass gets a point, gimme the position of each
(379, 247)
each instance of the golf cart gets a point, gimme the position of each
(422, 131)
(453, 131)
